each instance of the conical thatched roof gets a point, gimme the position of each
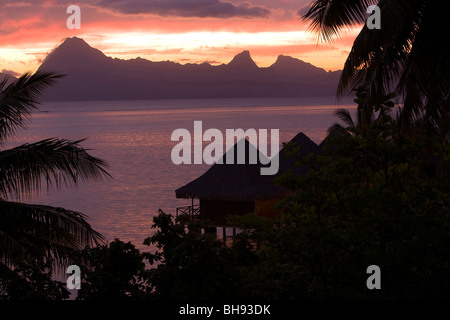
(244, 182)
(329, 142)
(234, 182)
(306, 145)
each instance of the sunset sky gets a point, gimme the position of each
(186, 31)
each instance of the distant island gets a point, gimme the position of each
(91, 75)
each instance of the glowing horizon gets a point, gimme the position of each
(274, 30)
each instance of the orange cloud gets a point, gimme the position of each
(39, 28)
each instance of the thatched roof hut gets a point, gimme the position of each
(306, 145)
(243, 182)
(240, 188)
(232, 182)
(329, 143)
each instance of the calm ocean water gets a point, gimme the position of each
(134, 138)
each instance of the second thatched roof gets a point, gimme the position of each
(244, 182)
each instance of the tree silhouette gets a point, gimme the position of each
(30, 233)
(410, 53)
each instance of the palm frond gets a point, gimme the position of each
(54, 161)
(10, 246)
(18, 99)
(335, 129)
(425, 81)
(56, 231)
(327, 18)
(345, 116)
(378, 56)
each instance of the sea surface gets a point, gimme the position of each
(134, 137)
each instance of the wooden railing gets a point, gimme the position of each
(191, 211)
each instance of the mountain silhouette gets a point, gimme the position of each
(91, 75)
(289, 65)
(74, 51)
(243, 61)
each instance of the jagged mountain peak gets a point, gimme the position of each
(91, 75)
(73, 49)
(243, 60)
(288, 63)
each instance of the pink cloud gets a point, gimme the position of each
(42, 25)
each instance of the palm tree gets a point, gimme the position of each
(365, 114)
(410, 53)
(24, 170)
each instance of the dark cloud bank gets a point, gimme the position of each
(186, 8)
